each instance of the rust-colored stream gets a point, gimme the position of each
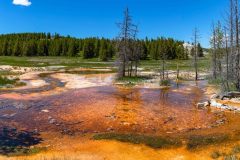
(66, 118)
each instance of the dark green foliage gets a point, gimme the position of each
(200, 50)
(88, 49)
(169, 48)
(5, 81)
(196, 141)
(137, 79)
(165, 83)
(151, 141)
(106, 51)
(45, 44)
(73, 49)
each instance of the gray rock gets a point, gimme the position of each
(215, 96)
(110, 129)
(221, 121)
(20, 105)
(52, 121)
(203, 105)
(230, 95)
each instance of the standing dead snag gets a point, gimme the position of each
(233, 72)
(231, 29)
(237, 45)
(128, 52)
(214, 55)
(227, 58)
(195, 42)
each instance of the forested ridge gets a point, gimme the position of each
(46, 44)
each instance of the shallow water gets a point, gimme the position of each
(103, 107)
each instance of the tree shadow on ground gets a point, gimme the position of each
(15, 142)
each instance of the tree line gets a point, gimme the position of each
(46, 44)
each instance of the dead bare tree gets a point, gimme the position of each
(217, 43)
(237, 83)
(214, 55)
(136, 51)
(231, 30)
(163, 77)
(163, 66)
(126, 39)
(195, 42)
(226, 51)
(227, 58)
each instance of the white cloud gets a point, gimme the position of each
(22, 2)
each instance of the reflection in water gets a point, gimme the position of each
(111, 108)
(163, 96)
(14, 141)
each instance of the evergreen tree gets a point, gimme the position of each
(200, 50)
(88, 49)
(72, 50)
(44, 44)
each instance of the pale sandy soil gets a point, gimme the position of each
(74, 81)
(32, 80)
(189, 75)
(21, 69)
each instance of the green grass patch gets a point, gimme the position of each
(53, 61)
(4, 81)
(219, 83)
(186, 65)
(138, 79)
(23, 151)
(197, 141)
(213, 81)
(203, 63)
(165, 82)
(8, 73)
(151, 141)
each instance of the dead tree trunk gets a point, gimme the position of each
(227, 59)
(195, 38)
(178, 70)
(237, 46)
(127, 34)
(163, 67)
(214, 57)
(231, 24)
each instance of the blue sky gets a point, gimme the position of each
(87, 18)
